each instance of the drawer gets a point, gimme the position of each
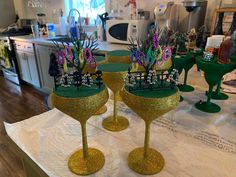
(27, 47)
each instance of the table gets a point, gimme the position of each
(193, 143)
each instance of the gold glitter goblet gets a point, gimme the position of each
(113, 76)
(100, 60)
(81, 105)
(118, 56)
(164, 66)
(149, 105)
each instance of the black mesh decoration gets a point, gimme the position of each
(53, 66)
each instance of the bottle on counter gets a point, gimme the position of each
(51, 30)
(62, 24)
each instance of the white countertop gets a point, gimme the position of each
(103, 46)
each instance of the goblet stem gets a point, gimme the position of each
(209, 94)
(84, 140)
(218, 88)
(115, 108)
(185, 77)
(146, 140)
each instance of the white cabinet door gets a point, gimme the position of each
(43, 56)
(23, 66)
(33, 69)
(28, 67)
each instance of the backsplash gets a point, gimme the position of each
(51, 9)
(7, 13)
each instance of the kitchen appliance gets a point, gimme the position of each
(162, 14)
(8, 60)
(26, 23)
(143, 14)
(197, 13)
(41, 20)
(121, 31)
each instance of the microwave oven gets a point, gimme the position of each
(121, 31)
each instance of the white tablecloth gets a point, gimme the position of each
(193, 143)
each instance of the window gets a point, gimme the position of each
(87, 8)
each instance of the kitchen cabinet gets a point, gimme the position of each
(27, 63)
(43, 54)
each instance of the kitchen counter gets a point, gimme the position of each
(103, 46)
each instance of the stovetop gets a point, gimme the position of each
(14, 32)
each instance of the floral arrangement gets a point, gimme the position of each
(148, 55)
(68, 62)
(180, 42)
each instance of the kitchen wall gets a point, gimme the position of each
(7, 13)
(52, 8)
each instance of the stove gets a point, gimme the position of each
(16, 32)
(8, 61)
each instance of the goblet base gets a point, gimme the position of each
(102, 110)
(118, 97)
(218, 96)
(152, 164)
(119, 124)
(181, 98)
(86, 166)
(207, 107)
(186, 88)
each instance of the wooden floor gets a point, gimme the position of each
(16, 104)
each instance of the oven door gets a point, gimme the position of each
(5, 56)
(7, 63)
(117, 31)
(11, 76)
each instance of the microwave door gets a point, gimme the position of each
(119, 31)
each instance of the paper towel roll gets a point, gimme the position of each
(62, 22)
(100, 33)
